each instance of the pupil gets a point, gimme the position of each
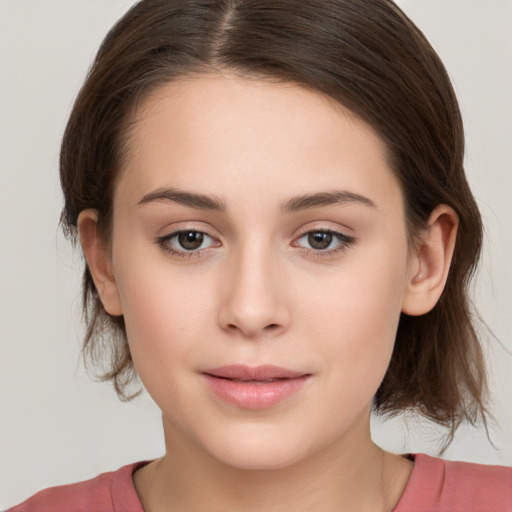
(320, 240)
(190, 240)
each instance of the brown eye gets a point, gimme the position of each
(187, 243)
(324, 242)
(319, 240)
(190, 240)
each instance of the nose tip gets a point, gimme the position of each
(253, 304)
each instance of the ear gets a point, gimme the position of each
(430, 263)
(99, 261)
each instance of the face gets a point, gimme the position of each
(260, 257)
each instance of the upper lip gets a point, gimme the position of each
(263, 372)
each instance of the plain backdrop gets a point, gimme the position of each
(56, 424)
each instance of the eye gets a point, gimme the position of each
(319, 240)
(190, 240)
(186, 242)
(324, 241)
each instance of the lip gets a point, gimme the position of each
(254, 387)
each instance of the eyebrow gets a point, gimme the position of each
(318, 199)
(294, 204)
(191, 199)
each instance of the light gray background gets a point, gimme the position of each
(56, 425)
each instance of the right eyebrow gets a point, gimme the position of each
(190, 199)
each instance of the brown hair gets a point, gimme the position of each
(368, 56)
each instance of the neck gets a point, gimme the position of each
(350, 474)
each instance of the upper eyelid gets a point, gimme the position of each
(164, 242)
(343, 238)
(208, 229)
(344, 233)
(176, 232)
(179, 227)
(301, 233)
(339, 234)
(322, 229)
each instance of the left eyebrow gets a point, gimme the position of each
(318, 199)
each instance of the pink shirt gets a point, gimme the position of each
(435, 485)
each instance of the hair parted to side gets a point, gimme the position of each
(365, 54)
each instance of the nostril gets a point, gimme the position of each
(254, 331)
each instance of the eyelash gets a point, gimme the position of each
(344, 241)
(163, 243)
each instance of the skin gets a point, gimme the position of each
(257, 292)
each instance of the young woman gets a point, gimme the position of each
(279, 237)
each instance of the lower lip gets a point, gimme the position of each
(252, 395)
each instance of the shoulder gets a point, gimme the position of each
(440, 485)
(107, 492)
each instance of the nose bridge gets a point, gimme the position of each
(253, 303)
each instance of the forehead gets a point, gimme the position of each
(224, 132)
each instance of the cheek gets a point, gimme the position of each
(356, 317)
(164, 311)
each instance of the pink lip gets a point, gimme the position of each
(257, 387)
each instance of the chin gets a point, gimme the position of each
(258, 452)
(263, 460)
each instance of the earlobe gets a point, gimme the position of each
(430, 263)
(99, 261)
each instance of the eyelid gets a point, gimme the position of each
(344, 241)
(324, 225)
(337, 234)
(186, 225)
(163, 241)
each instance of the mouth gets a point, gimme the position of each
(259, 387)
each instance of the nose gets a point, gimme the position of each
(253, 294)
